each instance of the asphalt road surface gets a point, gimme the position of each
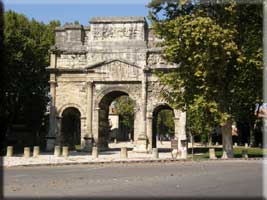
(203, 180)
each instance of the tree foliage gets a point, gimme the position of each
(26, 44)
(219, 51)
(125, 109)
(165, 122)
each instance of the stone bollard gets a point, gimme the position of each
(9, 152)
(36, 151)
(235, 144)
(65, 151)
(244, 153)
(57, 151)
(124, 153)
(175, 153)
(27, 152)
(131, 141)
(115, 141)
(95, 153)
(246, 145)
(212, 154)
(155, 153)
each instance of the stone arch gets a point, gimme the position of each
(101, 113)
(69, 105)
(106, 91)
(154, 114)
(70, 127)
(158, 105)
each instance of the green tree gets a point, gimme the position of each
(26, 44)
(165, 123)
(2, 82)
(216, 61)
(125, 109)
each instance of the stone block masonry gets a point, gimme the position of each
(92, 65)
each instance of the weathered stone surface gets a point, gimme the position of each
(116, 56)
(9, 152)
(65, 151)
(57, 151)
(95, 153)
(27, 152)
(36, 151)
(155, 153)
(124, 153)
(212, 154)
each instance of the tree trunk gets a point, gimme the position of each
(227, 140)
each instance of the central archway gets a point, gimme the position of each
(106, 135)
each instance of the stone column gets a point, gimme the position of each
(137, 121)
(50, 139)
(149, 123)
(180, 133)
(89, 109)
(59, 135)
(88, 134)
(96, 125)
(144, 103)
(141, 143)
(83, 133)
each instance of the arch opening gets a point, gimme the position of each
(116, 119)
(162, 126)
(71, 127)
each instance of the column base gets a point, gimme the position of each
(87, 144)
(182, 154)
(141, 145)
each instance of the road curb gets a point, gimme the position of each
(132, 162)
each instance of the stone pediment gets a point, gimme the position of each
(116, 69)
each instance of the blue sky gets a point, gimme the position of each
(80, 10)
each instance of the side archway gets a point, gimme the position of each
(162, 123)
(71, 105)
(70, 127)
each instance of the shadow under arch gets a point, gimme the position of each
(71, 127)
(157, 109)
(104, 100)
(71, 105)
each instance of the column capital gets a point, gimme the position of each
(89, 82)
(149, 116)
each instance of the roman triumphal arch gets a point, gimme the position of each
(91, 66)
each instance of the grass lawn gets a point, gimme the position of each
(203, 152)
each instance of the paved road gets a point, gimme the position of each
(210, 179)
